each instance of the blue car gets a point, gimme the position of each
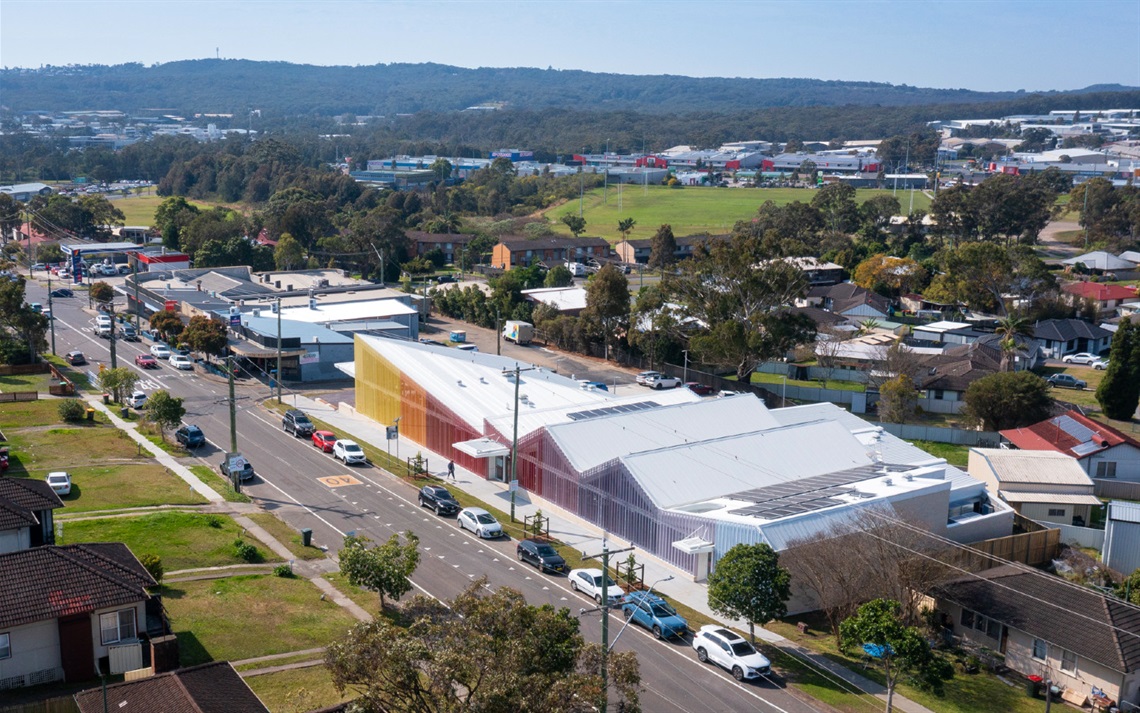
(655, 614)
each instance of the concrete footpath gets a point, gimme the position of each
(579, 534)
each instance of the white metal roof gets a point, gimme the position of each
(943, 326)
(1036, 467)
(532, 419)
(348, 311)
(1123, 511)
(563, 298)
(1058, 498)
(591, 442)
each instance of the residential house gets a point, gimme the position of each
(1044, 486)
(26, 507)
(515, 251)
(449, 244)
(924, 307)
(638, 250)
(1076, 637)
(209, 688)
(1101, 450)
(1100, 261)
(849, 300)
(1122, 536)
(946, 376)
(1106, 297)
(1059, 337)
(567, 300)
(817, 272)
(67, 607)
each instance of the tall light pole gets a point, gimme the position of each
(278, 375)
(51, 322)
(515, 435)
(686, 372)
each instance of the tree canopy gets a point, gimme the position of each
(385, 569)
(749, 583)
(1009, 399)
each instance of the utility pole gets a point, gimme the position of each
(278, 375)
(233, 405)
(605, 609)
(498, 332)
(51, 322)
(135, 276)
(111, 310)
(515, 437)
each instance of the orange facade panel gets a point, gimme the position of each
(413, 401)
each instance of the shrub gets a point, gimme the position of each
(152, 564)
(214, 521)
(246, 552)
(72, 410)
(283, 570)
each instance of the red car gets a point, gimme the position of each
(324, 440)
(146, 361)
(698, 388)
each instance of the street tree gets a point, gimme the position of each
(1119, 390)
(898, 400)
(878, 629)
(558, 276)
(607, 301)
(737, 290)
(482, 651)
(385, 569)
(749, 583)
(167, 323)
(663, 248)
(24, 328)
(205, 335)
(101, 292)
(1008, 399)
(289, 252)
(119, 382)
(576, 223)
(165, 411)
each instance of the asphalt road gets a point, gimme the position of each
(377, 504)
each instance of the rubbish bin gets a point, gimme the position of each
(306, 537)
(90, 414)
(1033, 686)
(106, 398)
(124, 412)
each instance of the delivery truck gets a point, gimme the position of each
(518, 332)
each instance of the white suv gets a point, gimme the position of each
(730, 651)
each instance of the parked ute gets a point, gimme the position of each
(1066, 380)
(655, 614)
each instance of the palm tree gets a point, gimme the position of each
(868, 325)
(625, 225)
(1009, 328)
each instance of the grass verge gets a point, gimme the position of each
(26, 414)
(954, 454)
(251, 615)
(127, 486)
(183, 540)
(302, 689)
(286, 536)
(220, 485)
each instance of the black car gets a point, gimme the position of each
(190, 436)
(62, 292)
(297, 423)
(542, 555)
(128, 333)
(246, 472)
(439, 499)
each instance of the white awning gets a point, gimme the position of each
(1014, 496)
(482, 448)
(694, 545)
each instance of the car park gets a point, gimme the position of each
(75, 358)
(1080, 358)
(60, 482)
(243, 472)
(589, 582)
(190, 436)
(662, 382)
(160, 351)
(654, 613)
(698, 388)
(438, 498)
(730, 651)
(481, 522)
(324, 440)
(146, 361)
(295, 421)
(1066, 380)
(349, 452)
(136, 400)
(541, 554)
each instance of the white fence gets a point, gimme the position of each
(1083, 536)
(941, 434)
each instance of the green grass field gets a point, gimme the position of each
(689, 210)
(139, 210)
(302, 689)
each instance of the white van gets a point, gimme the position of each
(576, 269)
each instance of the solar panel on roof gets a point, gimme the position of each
(1075, 429)
(1083, 449)
(610, 410)
(806, 495)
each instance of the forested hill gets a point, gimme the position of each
(281, 88)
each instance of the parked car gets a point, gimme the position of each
(698, 388)
(128, 333)
(1080, 358)
(655, 614)
(541, 554)
(75, 358)
(245, 472)
(146, 361)
(589, 582)
(160, 351)
(349, 452)
(296, 422)
(190, 436)
(481, 522)
(36, 306)
(646, 375)
(438, 498)
(136, 400)
(662, 382)
(730, 651)
(184, 363)
(62, 292)
(60, 482)
(1099, 364)
(38, 266)
(324, 440)
(1066, 380)
(47, 313)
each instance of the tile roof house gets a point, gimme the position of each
(1106, 297)
(66, 607)
(450, 244)
(946, 376)
(26, 507)
(1043, 486)
(1101, 450)
(1059, 337)
(849, 300)
(209, 688)
(1046, 626)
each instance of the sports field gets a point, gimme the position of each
(690, 210)
(139, 210)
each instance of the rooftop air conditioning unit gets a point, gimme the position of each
(256, 312)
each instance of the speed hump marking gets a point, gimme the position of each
(339, 481)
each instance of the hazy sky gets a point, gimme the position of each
(975, 44)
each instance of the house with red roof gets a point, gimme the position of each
(1106, 297)
(1100, 450)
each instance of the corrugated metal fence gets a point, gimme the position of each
(1123, 490)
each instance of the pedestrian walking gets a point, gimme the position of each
(451, 469)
